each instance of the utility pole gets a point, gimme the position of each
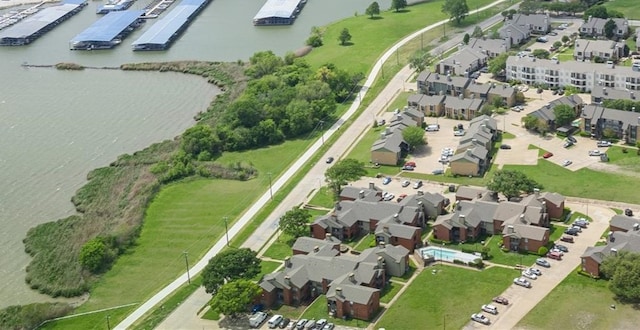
(397, 57)
(226, 229)
(269, 174)
(186, 261)
(108, 322)
(321, 132)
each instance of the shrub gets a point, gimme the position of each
(459, 262)
(439, 241)
(314, 41)
(542, 251)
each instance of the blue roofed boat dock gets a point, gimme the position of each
(108, 31)
(34, 26)
(166, 30)
(279, 12)
(114, 5)
(157, 7)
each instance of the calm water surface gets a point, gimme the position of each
(56, 126)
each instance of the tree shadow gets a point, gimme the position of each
(375, 18)
(347, 44)
(402, 11)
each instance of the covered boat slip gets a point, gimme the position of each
(32, 27)
(108, 31)
(114, 5)
(278, 12)
(161, 34)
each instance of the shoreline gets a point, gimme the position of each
(4, 4)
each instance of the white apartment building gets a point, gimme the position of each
(585, 76)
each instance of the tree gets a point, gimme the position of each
(623, 270)
(541, 53)
(530, 122)
(229, 265)
(477, 32)
(565, 39)
(398, 4)
(414, 136)
(466, 38)
(595, 11)
(420, 60)
(609, 28)
(315, 40)
(373, 9)
(94, 255)
(200, 138)
(235, 297)
(456, 9)
(498, 64)
(512, 183)
(542, 127)
(344, 37)
(343, 171)
(564, 114)
(520, 97)
(557, 44)
(295, 222)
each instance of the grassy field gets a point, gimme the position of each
(450, 297)
(266, 267)
(585, 305)
(629, 160)
(390, 291)
(278, 250)
(629, 8)
(565, 55)
(323, 198)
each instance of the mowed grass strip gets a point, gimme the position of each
(629, 8)
(453, 294)
(580, 302)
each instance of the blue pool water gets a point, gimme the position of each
(442, 254)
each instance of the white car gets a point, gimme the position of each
(535, 271)
(458, 133)
(557, 251)
(389, 197)
(490, 309)
(478, 317)
(603, 144)
(566, 163)
(406, 183)
(594, 152)
(526, 273)
(522, 282)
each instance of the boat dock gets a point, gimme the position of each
(34, 26)
(279, 12)
(157, 7)
(108, 31)
(15, 16)
(165, 31)
(114, 5)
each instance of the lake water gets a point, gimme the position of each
(56, 126)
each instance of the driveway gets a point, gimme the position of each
(574, 27)
(522, 300)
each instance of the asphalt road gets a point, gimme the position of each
(313, 178)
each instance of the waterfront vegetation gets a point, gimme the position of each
(449, 297)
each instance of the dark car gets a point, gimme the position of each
(460, 127)
(555, 92)
(547, 155)
(484, 69)
(567, 239)
(501, 300)
(571, 231)
(257, 308)
(330, 160)
(561, 248)
(567, 144)
(572, 139)
(539, 90)
(561, 92)
(505, 146)
(283, 324)
(628, 212)
(581, 223)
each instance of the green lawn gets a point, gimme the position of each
(390, 291)
(450, 297)
(507, 258)
(279, 249)
(399, 102)
(579, 302)
(629, 8)
(365, 242)
(323, 198)
(565, 55)
(629, 160)
(266, 267)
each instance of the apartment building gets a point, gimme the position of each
(463, 62)
(600, 121)
(594, 27)
(605, 50)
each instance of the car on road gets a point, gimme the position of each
(568, 239)
(526, 273)
(458, 133)
(417, 185)
(567, 144)
(386, 180)
(522, 282)
(571, 231)
(490, 309)
(547, 155)
(478, 317)
(543, 262)
(595, 152)
(566, 163)
(553, 33)
(437, 172)
(603, 144)
(628, 212)
(561, 248)
(408, 168)
(572, 139)
(517, 108)
(536, 271)
(501, 300)
(329, 160)
(406, 183)
(505, 146)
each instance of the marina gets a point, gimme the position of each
(165, 31)
(279, 12)
(108, 31)
(16, 16)
(34, 26)
(155, 8)
(114, 5)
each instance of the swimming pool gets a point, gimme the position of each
(442, 254)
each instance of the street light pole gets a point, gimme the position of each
(226, 229)
(270, 190)
(186, 261)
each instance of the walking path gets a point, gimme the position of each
(310, 182)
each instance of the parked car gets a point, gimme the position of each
(547, 155)
(406, 183)
(329, 160)
(386, 180)
(274, 321)
(311, 324)
(460, 127)
(321, 323)
(408, 168)
(554, 255)
(553, 249)
(567, 239)
(571, 231)
(595, 152)
(417, 185)
(410, 164)
(301, 323)
(257, 308)
(567, 144)
(555, 92)
(628, 212)
(401, 197)
(526, 273)
(256, 319)
(539, 90)
(604, 157)
(458, 133)
(536, 271)
(603, 144)
(578, 228)
(328, 326)
(561, 248)
(566, 163)
(389, 197)
(505, 146)
(484, 69)
(522, 282)
(553, 33)
(490, 309)
(284, 323)
(478, 317)
(437, 172)
(572, 139)
(501, 300)
(543, 262)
